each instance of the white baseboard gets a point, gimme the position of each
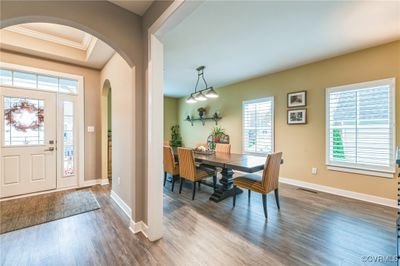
(124, 207)
(340, 192)
(104, 181)
(137, 227)
(94, 182)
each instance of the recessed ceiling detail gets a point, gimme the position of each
(56, 42)
(55, 33)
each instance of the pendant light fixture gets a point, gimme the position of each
(201, 95)
(212, 93)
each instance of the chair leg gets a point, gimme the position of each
(234, 196)
(249, 193)
(199, 184)
(277, 199)
(173, 183)
(180, 186)
(264, 199)
(194, 190)
(165, 177)
(215, 182)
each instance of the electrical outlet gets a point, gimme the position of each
(314, 170)
(119, 180)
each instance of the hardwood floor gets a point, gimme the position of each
(310, 229)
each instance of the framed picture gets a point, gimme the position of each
(297, 99)
(297, 117)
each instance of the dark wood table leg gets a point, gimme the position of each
(226, 189)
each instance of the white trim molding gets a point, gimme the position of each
(361, 172)
(340, 192)
(377, 168)
(93, 182)
(80, 116)
(104, 182)
(137, 227)
(124, 207)
(81, 45)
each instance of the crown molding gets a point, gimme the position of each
(86, 41)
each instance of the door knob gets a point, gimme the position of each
(50, 149)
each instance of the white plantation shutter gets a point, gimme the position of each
(258, 126)
(361, 126)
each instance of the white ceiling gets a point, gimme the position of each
(241, 40)
(56, 42)
(136, 6)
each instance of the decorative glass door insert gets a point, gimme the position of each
(68, 138)
(23, 121)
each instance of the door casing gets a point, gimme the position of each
(79, 125)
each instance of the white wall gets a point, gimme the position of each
(122, 80)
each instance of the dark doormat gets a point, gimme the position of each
(24, 212)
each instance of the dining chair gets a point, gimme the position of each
(224, 148)
(189, 171)
(265, 184)
(170, 166)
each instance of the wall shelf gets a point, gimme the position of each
(203, 119)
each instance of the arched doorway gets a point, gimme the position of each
(106, 131)
(92, 111)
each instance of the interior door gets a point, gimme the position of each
(28, 141)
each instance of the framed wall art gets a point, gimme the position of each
(297, 99)
(297, 117)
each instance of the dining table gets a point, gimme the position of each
(229, 162)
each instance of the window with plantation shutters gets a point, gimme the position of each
(360, 122)
(258, 126)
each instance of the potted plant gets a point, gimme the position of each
(201, 111)
(176, 139)
(216, 135)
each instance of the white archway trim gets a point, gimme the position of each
(154, 97)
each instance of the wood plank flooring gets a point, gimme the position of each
(310, 229)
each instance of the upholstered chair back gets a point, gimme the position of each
(224, 148)
(187, 166)
(270, 178)
(169, 160)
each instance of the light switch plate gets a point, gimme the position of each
(90, 129)
(314, 171)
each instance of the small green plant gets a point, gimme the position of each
(176, 139)
(216, 135)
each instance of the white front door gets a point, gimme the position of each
(28, 141)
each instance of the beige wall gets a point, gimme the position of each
(170, 116)
(303, 146)
(121, 78)
(92, 84)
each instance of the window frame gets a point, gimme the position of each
(31, 71)
(353, 168)
(258, 100)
